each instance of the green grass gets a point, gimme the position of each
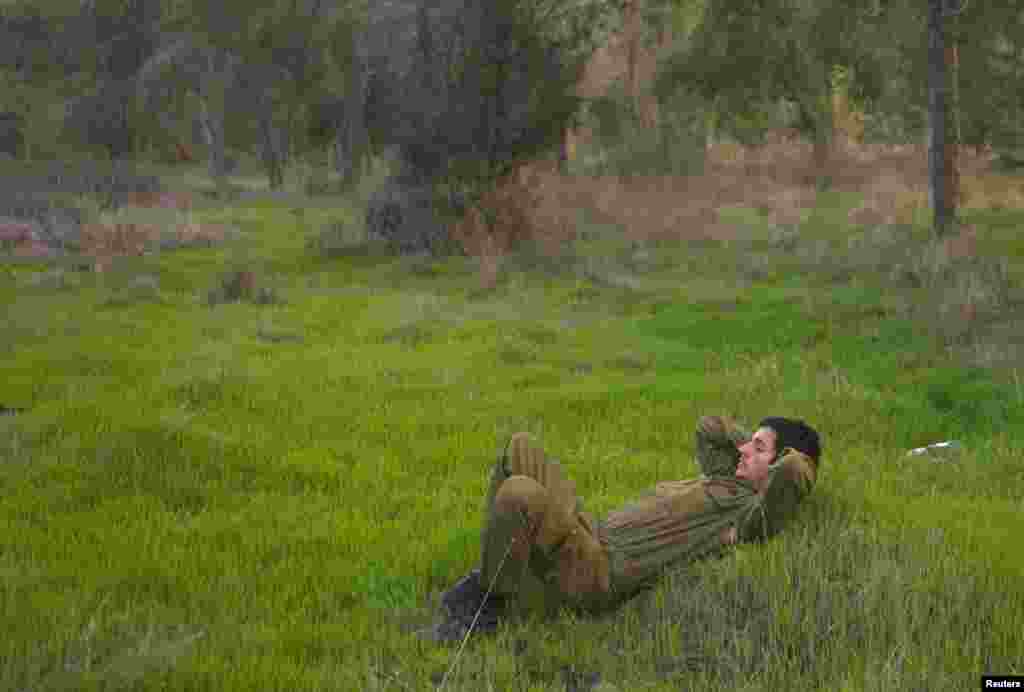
(241, 496)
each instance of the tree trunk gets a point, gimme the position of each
(952, 151)
(213, 134)
(631, 33)
(272, 144)
(817, 123)
(710, 128)
(271, 149)
(822, 154)
(212, 88)
(565, 153)
(350, 140)
(937, 176)
(342, 162)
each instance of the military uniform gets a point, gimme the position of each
(543, 551)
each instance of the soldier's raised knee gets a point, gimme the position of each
(521, 494)
(520, 437)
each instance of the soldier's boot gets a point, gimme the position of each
(467, 608)
(507, 538)
(518, 531)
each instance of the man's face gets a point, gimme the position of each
(756, 455)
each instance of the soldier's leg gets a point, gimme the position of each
(533, 541)
(540, 556)
(511, 531)
(492, 546)
(717, 439)
(522, 456)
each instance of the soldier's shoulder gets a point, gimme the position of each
(797, 465)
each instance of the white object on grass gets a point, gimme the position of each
(947, 446)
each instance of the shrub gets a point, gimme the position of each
(337, 238)
(12, 136)
(14, 232)
(403, 214)
(56, 279)
(100, 120)
(241, 285)
(142, 288)
(105, 242)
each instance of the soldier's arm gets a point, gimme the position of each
(717, 441)
(791, 480)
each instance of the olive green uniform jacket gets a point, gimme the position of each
(683, 521)
(593, 564)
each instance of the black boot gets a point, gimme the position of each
(461, 604)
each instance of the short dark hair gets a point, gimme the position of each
(795, 433)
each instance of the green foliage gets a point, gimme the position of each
(490, 90)
(467, 148)
(624, 146)
(987, 88)
(578, 26)
(742, 61)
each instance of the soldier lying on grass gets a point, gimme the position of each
(538, 543)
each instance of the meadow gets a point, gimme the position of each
(254, 465)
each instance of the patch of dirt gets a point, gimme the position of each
(541, 203)
(102, 244)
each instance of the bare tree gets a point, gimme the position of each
(224, 86)
(251, 70)
(942, 177)
(202, 70)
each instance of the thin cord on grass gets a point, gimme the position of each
(472, 625)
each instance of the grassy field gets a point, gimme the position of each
(268, 493)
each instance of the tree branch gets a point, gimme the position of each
(950, 13)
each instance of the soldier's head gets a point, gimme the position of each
(773, 436)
